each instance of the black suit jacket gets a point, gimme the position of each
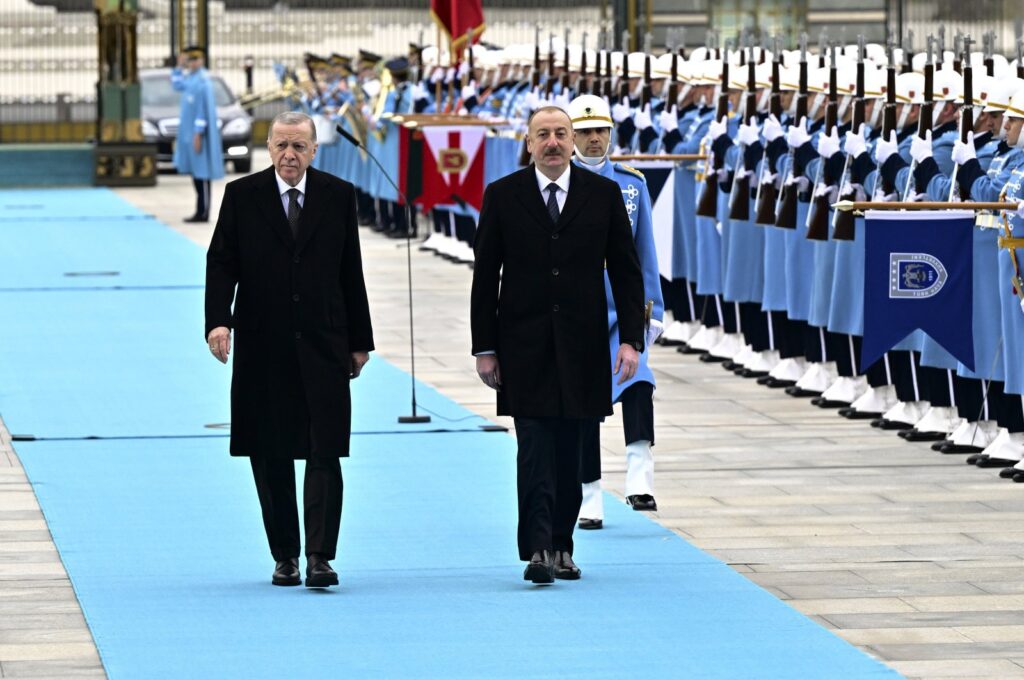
(300, 309)
(538, 296)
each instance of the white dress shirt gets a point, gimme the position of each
(563, 187)
(283, 188)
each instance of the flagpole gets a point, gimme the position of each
(924, 205)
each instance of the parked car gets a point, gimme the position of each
(161, 107)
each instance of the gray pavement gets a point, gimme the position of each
(912, 556)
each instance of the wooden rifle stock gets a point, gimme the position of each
(707, 205)
(785, 216)
(767, 193)
(844, 224)
(739, 199)
(817, 217)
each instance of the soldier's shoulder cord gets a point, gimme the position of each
(630, 170)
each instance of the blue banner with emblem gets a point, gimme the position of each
(918, 275)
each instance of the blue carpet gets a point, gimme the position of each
(77, 204)
(159, 528)
(163, 543)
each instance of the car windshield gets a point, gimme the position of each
(157, 91)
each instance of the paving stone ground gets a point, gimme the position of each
(912, 556)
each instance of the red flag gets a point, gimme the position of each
(453, 166)
(457, 17)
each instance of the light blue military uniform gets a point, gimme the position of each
(1012, 316)
(198, 116)
(638, 207)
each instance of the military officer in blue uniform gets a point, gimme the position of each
(197, 150)
(592, 123)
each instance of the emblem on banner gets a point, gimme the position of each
(915, 275)
(452, 160)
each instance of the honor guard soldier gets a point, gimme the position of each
(197, 149)
(592, 124)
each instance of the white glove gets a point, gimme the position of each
(561, 100)
(855, 142)
(964, 152)
(669, 119)
(1020, 210)
(828, 145)
(798, 135)
(643, 118)
(748, 133)
(437, 75)
(886, 148)
(772, 129)
(419, 92)
(468, 91)
(654, 331)
(463, 69)
(449, 75)
(621, 111)
(530, 101)
(717, 129)
(920, 149)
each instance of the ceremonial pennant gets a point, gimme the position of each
(918, 274)
(453, 166)
(660, 176)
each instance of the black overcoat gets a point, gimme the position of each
(300, 309)
(538, 296)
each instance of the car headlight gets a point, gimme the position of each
(149, 130)
(238, 126)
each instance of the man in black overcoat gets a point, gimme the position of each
(286, 251)
(539, 320)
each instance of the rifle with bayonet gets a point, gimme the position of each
(844, 223)
(707, 205)
(673, 83)
(645, 93)
(785, 211)
(535, 74)
(739, 198)
(764, 203)
(549, 84)
(1020, 58)
(888, 117)
(582, 87)
(924, 121)
(817, 213)
(624, 77)
(908, 53)
(957, 45)
(608, 89)
(966, 119)
(564, 80)
(989, 41)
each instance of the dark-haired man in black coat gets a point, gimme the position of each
(286, 251)
(540, 323)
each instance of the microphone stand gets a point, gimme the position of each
(414, 418)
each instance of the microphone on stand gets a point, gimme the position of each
(414, 418)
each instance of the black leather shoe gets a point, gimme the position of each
(795, 391)
(990, 462)
(851, 413)
(286, 573)
(913, 435)
(937, 446)
(709, 358)
(1019, 477)
(775, 383)
(686, 349)
(822, 402)
(642, 502)
(895, 425)
(541, 568)
(960, 448)
(197, 218)
(978, 459)
(751, 373)
(1008, 473)
(565, 568)
(586, 523)
(319, 573)
(731, 365)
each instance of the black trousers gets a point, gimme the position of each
(202, 196)
(322, 492)
(548, 482)
(637, 424)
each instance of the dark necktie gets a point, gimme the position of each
(553, 202)
(294, 210)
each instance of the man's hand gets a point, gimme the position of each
(964, 152)
(626, 361)
(669, 119)
(621, 111)
(359, 360)
(921, 149)
(828, 145)
(219, 341)
(489, 371)
(748, 133)
(716, 129)
(885, 148)
(856, 142)
(642, 118)
(654, 331)
(798, 135)
(772, 129)
(197, 142)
